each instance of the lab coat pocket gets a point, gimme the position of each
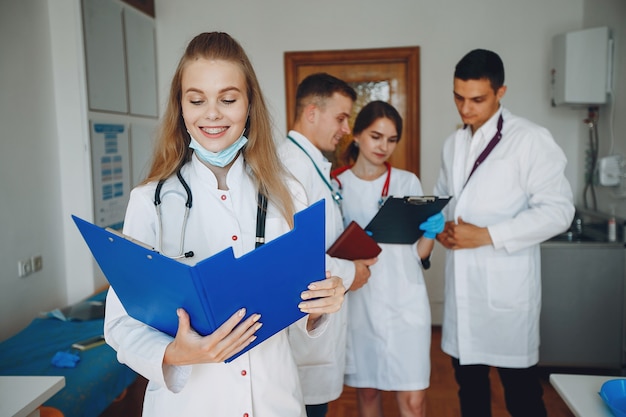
(510, 282)
(350, 359)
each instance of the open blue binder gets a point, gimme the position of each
(267, 280)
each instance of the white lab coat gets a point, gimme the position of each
(389, 317)
(261, 383)
(321, 361)
(493, 293)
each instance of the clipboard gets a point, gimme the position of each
(399, 218)
(152, 286)
(354, 243)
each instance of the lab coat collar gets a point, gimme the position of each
(490, 127)
(316, 154)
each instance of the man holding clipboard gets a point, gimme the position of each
(510, 193)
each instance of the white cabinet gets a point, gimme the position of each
(120, 58)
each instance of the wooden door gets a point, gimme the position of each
(389, 74)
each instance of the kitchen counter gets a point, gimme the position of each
(583, 314)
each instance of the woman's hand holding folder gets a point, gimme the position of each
(189, 347)
(322, 297)
(433, 225)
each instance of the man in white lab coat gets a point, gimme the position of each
(323, 106)
(506, 175)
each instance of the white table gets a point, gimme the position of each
(580, 393)
(21, 396)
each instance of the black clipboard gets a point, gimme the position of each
(399, 218)
(152, 286)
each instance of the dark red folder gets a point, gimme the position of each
(354, 243)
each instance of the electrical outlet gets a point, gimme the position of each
(25, 267)
(37, 262)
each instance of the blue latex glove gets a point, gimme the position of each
(65, 360)
(433, 225)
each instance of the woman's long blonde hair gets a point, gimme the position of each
(172, 148)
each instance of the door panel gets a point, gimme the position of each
(390, 74)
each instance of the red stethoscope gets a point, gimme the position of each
(385, 192)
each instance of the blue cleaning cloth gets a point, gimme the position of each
(65, 360)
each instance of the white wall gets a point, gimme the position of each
(44, 164)
(612, 124)
(30, 169)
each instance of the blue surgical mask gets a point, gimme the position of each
(221, 158)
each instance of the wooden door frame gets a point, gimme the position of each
(297, 61)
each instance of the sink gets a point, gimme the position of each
(588, 227)
(569, 236)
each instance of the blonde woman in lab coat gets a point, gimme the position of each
(216, 133)
(515, 198)
(389, 317)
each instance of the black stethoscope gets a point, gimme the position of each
(385, 192)
(260, 218)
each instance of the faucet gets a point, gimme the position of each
(577, 225)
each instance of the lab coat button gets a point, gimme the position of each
(223, 197)
(244, 373)
(234, 237)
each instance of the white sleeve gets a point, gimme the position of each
(139, 346)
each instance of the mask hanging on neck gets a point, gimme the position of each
(221, 158)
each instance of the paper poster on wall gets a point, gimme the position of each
(110, 161)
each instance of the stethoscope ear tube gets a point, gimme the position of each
(187, 189)
(260, 218)
(188, 203)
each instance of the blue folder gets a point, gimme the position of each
(267, 280)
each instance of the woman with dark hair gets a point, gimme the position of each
(389, 317)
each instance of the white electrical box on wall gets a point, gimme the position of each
(610, 170)
(582, 67)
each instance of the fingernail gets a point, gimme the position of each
(305, 295)
(312, 286)
(258, 326)
(302, 306)
(256, 317)
(242, 312)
